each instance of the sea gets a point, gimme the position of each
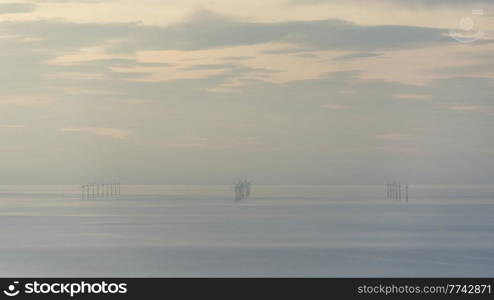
(279, 231)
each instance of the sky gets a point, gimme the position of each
(277, 91)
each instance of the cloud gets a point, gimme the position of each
(12, 126)
(397, 2)
(487, 110)
(292, 50)
(98, 64)
(73, 1)
(237, 58)
(16, 8)
(357, 55)
(104, 132)
(58, 35)
(210, 67)
(207, 30)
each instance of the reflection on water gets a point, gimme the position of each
(279, 231)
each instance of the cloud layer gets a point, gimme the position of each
(312, 100)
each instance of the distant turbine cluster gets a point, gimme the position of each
(242, 189)
(396, 191)
(100, 190)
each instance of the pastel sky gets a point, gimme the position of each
(278, 91)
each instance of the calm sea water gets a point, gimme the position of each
(175, 231)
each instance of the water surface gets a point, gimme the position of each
(329, 231)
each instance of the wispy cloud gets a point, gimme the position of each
(103, 131)
(412, 96)
(16, 8)
(12, 126)
(27, 100)
(357, 55)
(70, 1)
(207, 30)
(484, 109)
(397, 2)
